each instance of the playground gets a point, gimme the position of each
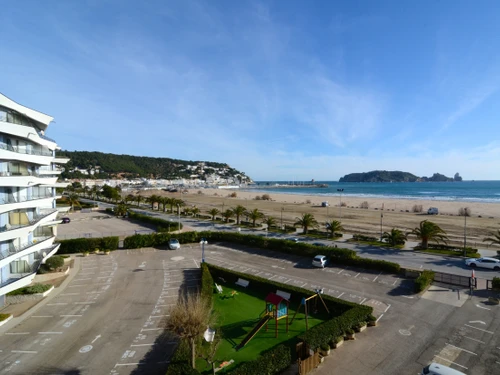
(245, 313)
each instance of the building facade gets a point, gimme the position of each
(28, 180)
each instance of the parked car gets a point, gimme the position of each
(174, 244)
(439, 369)
(318, 244)
(294, 239)
(432, 211)
(491, 263)
(65, 220)
(319, 261)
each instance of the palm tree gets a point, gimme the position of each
(228, 214)
(306, 221)
(195, 211)
(121, 209)
(269, 221)
(74, 200)
(129, 198)
(163, 202)
(238, 211)
(187, 211)
(255, 215)
(213, 212)
(152, 199)
(394, 237)
(176, 202)
(334, 226)
(429, 231)
(495, 239)
(139, 198)
(166, 201)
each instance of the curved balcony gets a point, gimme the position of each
(15, 252)
(8, 231)
(19, 280)
(25, 202)
(25, 179)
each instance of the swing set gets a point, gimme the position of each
(304, 302)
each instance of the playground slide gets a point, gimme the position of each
(254, 331)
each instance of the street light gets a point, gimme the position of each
(282, 209)
(179, 213)
(203, 242)
(465, 232)
(340, 208)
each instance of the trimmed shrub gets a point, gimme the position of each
(161, 225)
(361, 237)
(33, 289)
(80, 245)
(273, 361)
(54, 262)
(4, 316)
(207, 283)
(423, 281)
(496, 283)
(180, 361)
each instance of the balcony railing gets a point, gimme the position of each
(34, 220)
(18, 276)
(13, 250)
(11, 200)
(5, 146)
(24, 173)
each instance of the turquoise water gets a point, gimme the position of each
(465, 191)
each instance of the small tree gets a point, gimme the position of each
(54, 262)
(195, 211)
(74, 200)
(121, 209)
(364, 205)
(334, 226)
(394, 237)
(238, 211)
(227, 215)
(255, 215)
(270, 222)
(213, 212)
(429, 231)
(189, 319)
(306, 221)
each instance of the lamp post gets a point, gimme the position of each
(465, 232)
(179, 217)
(340, 207)
(282, 209)
(203, 242)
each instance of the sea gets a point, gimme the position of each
(464, 191)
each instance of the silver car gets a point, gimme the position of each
(319, 261)
(491, 263)
(174, 244)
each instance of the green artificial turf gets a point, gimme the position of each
(238, 315)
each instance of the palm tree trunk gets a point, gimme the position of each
(193, 354)
(425, 243)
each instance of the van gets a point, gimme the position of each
(439, 369)
(432, 211)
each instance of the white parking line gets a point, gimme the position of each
(387, 308)
(16, 333)
(341, 294)
(479, 329)
(362, 301)
(357, 274)
(394, 283)
(84, 303)
(50, 333)
(74, 286)
(70, 316)
(143, 344)
(470, 338)
(151, 329)
(377, 277)
(82, 279)
(464, 350)
(42, 316)
(24, 351)
(379, 317)
(272, 277)
(57, 304)
(69, 294)
(447, 360)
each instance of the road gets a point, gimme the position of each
(105, 321)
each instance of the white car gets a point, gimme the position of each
(491, 263)
(174, 244)
(319, 261)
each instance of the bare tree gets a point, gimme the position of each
(464, 211)
(189, 319)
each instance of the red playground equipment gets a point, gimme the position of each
(276, 308)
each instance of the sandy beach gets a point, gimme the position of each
(397, 213)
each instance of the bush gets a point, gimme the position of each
(80, 245)
(266, 197)
(273, 361)
(496, 283)
(180, 361)
(54, 262)
(161, 225)
(423, 281)
(258, 198)
(361, 237)
(33, 289)
(364, 205)
(4, 317)
(233, 195)
(417, 208)
(464, 211)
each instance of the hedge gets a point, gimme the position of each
(207, 283)
(423, 281)
(336, 255)
(34, 289)
(361, 237)
(80, 245)
(4, 317)
(161, 225)
(495, 283)
(448, 247)
(272, 361)
(54, 262)
(180, 363)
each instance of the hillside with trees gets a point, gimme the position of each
(92, 164)
(396, 176)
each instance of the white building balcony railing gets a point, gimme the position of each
(36, 218)
(24, 150)
(16, 251)
(12, 200)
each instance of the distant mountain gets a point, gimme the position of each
(395, 176)
(91, 164)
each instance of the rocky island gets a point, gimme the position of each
(396, 176)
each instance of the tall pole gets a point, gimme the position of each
(281, 226)
(465, 232)
(340, 206)
(203, 242)
(179, 217)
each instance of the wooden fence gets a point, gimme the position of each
(305, 361)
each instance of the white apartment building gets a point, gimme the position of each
(28, 181)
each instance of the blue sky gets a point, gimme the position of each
(279, 89)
